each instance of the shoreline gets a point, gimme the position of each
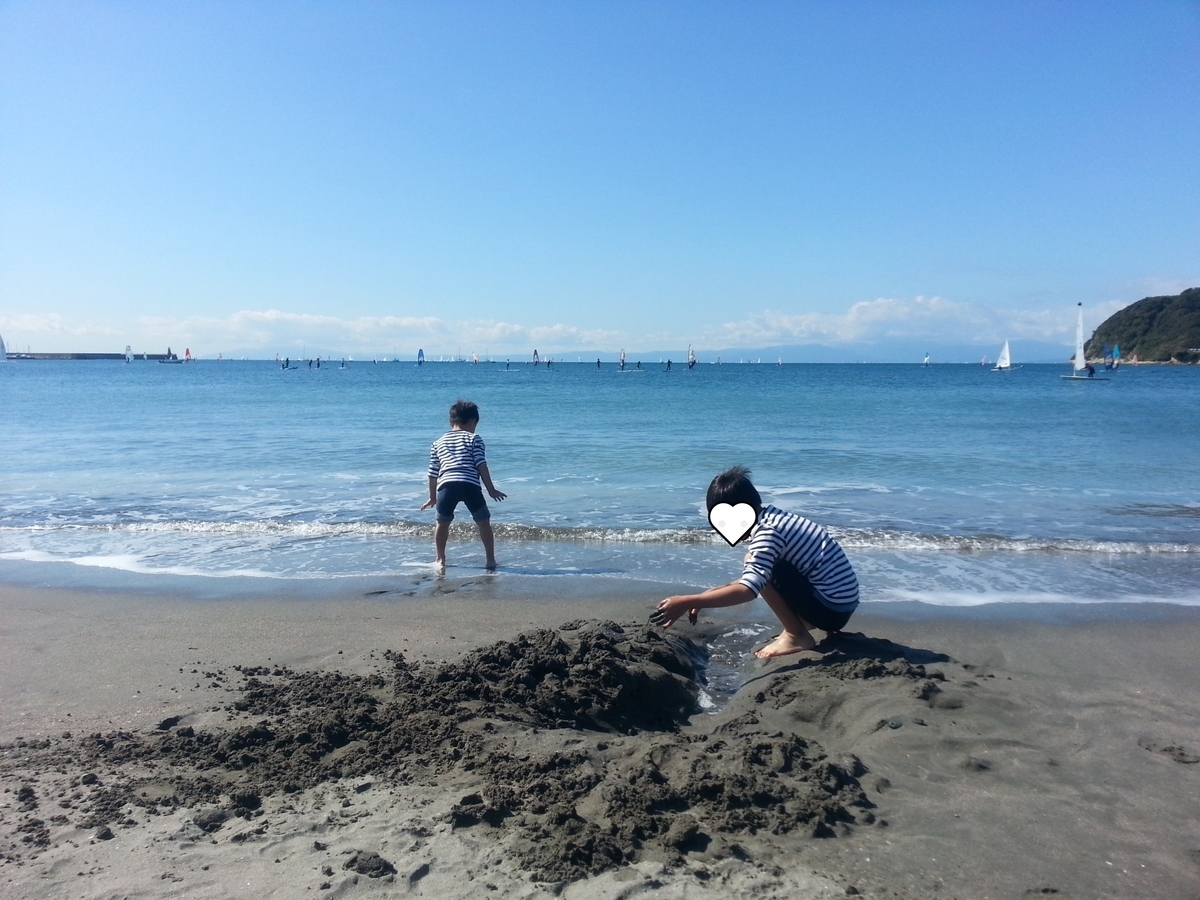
(1052, 752)
(46, 630)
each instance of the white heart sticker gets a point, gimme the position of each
(732, 522)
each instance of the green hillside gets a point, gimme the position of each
(1156, 329)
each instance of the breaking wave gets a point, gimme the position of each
(864, 539)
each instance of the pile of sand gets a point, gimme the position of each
(621, 781)
(574, 762)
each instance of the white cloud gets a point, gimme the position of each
(890, 319)
(276, 331)
(263, 333)
(1159, 286)
(53, 326)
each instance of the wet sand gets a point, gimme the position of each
(464, 742)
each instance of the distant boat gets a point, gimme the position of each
(420, 357)
(1081, 364)
(172, 358)
(128, 352)
(1116, 357)
(691, 358)
(1004, 360)
(622, 366)
(3, 351)
(926, 363)
(536, 359)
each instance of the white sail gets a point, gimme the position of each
(3, 352)
(1080, 361)
(1004, 360)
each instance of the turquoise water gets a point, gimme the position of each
(947, 484)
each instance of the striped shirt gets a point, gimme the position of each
(456, 456)
(806, 545)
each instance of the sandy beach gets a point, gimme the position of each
(461, 742)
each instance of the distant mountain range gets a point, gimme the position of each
(1155, 329)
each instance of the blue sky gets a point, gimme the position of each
(366, 178)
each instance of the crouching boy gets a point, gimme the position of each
(793, 563)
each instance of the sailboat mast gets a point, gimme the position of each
(1080, 362)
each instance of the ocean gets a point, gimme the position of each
(949, 485)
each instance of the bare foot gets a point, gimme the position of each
(490, 565)
(785, 644)
(439, 563)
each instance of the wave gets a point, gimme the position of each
(863, 539)
(1160, 510)
(964, 599)
(128, 562)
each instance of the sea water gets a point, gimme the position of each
(947, 484)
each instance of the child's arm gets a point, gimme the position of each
(486, 478)
(726, 595)
(432, 494)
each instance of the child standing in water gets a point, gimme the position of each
(793, 563)
(456, 468)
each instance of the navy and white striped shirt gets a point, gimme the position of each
(807, 546)
(456, 456)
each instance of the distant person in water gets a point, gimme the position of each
(792, 563)
(457, 468)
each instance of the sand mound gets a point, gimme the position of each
(548, 730)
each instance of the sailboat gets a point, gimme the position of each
(420, 357)
(691, 358)
(1081, 363)
(926, 363)
(1004, 360)
(1116, 357)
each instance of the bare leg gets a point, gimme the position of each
(440, 533)
(795, 637)
(489, 542)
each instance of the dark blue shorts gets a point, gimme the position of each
(801, 597)
(453, 493)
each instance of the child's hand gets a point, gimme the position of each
(496, 494)
(428, 503)
(671, 609)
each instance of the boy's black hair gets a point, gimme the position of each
(463, 411)
(733, 486)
